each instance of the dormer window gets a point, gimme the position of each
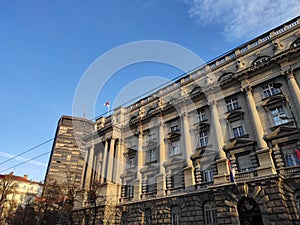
(269, 90)
(232, 104)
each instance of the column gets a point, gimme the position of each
(121, 166)
(162, 147)
(104, 161)
(218, 142)
(137, 184)
(188, 172)
(161, 178)
(187, 138)
(292, 83)
(263, 153)
(216, 129)
(89, 167)
(255, 120)
(110, 160)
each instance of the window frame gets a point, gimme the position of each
(151, 155)
(201, 116)
(175, 215)
(203, 138)
(268, 90)
(277, 112)
(295, 161)
(238, 131)
(232, 104)
(208, 175)
(210, 213)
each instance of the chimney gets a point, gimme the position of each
(25, 176)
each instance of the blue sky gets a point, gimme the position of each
(46, 46)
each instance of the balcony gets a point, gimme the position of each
(290, 171)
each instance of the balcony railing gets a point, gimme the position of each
(245, 175)
(290, 171)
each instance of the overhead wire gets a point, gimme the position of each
(95, 118)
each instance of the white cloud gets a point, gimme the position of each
(243, 19)
(22, 159)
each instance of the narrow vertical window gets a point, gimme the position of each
(148, 217)
(175, 215)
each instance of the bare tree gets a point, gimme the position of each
(7, 186)
(104, 207)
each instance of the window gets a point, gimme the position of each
(269, 90)
(131, 162)
(201, 115)
(278, 115)
(208, 175)
(129, 191)
(151, 184)
(232, 104)
(175, 128)
(175, 149)
(292, 160)
(244, 163)
(151, 136)
(175, 215)
(210, 213)
(238, 131)
(151, 155)
(176, 180)
(203, 139)
(147, 217)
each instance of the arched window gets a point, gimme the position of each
(175, 215)
(210, 212)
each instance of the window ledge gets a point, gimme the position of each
(242, 136)
(232, 110)
(289, 123)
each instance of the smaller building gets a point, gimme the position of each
(23, 191)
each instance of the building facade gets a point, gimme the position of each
(67, 156)
(218, 146)
(22, 192)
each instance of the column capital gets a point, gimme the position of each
(247, 90)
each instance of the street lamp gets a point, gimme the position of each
(279, 85)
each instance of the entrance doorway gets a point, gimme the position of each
(249, 212)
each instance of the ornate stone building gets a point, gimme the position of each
(218, 146)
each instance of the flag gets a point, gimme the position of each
(231, 171)
(297, 151)
(107, 104)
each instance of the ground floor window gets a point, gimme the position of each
(210, 213)
(175, 215)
